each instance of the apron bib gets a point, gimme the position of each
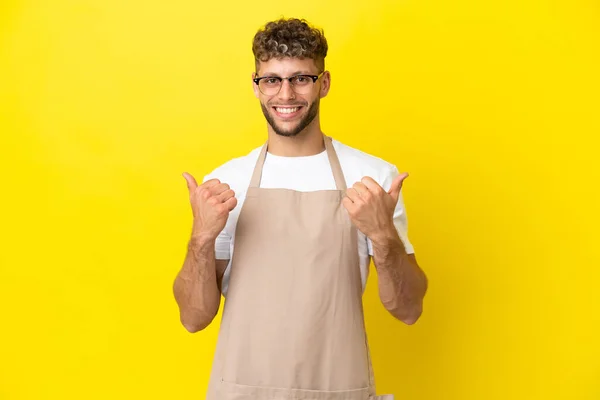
(293, 324)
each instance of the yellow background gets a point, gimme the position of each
(491, 106)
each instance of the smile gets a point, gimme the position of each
(287, 112)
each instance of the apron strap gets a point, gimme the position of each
(336, 168)
(257, 174)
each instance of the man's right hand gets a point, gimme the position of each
(211, 203)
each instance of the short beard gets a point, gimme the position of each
(304, 122)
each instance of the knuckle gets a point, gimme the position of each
(222, 210)
(209, 183)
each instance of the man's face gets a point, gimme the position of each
(287, 111)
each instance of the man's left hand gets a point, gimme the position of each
(371, 208)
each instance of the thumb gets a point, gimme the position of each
(191, 182)
(397, 186)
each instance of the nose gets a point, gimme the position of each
(286, 92)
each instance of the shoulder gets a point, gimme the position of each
(237, 171)
(357, 164)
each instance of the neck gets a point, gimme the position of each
(306, 143)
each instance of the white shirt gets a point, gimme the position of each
(310, 173)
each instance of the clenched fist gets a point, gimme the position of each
(211, 203)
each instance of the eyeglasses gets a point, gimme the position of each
(301, 84)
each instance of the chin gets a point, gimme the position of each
(286, 133)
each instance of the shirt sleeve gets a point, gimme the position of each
(222, 246)
(223, 241)
(400, 218)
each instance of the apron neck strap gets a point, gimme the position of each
(336, 168)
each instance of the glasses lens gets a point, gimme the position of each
(269, 86)
(302, 84)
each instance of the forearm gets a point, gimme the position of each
(402, 283)
(196, 290)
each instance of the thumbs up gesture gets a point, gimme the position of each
(211, 203)
(371, 208)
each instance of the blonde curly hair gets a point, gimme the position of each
(290, 37)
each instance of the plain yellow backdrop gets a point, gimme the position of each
(491, 106)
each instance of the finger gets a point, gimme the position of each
(226, 195)
(204, 190)
(360, 188)
(349, 205)
(210, 183)
(230, 203)
(397, 186)
(371, 184)
(191, 182)
(353, 195)
(218, 189)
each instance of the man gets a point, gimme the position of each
(286, 234)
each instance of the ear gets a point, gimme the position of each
(325, 84)
(255, 86)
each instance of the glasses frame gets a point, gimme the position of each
(257, 80)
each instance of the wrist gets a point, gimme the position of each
(201, 234)
(202, 240)
(386, 236)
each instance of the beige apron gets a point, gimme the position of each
(293, 325)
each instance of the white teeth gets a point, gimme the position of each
(286, 110)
